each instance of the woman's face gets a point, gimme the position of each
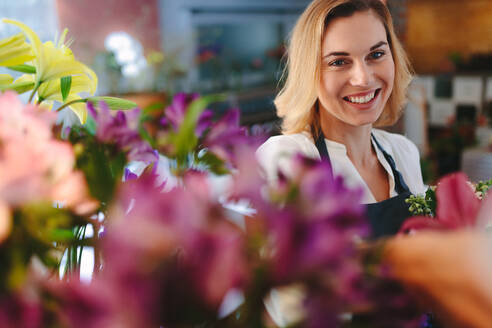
(357, 70)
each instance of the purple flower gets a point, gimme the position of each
(84, 305)
(19, 310)
(225, 135)
(312, 221)
(315, 229)
(176, 112)
(121, 129)
(171, 254)
(129, 175)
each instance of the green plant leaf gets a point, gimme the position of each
(24, 68)
(186, 140)
(114, 103)
(90, 125)
(65, 86)
(152, 108)
(61, 235)
(213, 163)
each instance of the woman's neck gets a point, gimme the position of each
(357, 139)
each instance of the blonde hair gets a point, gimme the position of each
(296, 103)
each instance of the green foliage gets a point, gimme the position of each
(39, 231)
(186, 140)
(482, 188)
(65, 86)
(102, 164)
(212, 163)
(24, 68)
(113, 102)
(423, 204)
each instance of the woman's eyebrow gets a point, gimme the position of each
(342, 53)
(379, 44)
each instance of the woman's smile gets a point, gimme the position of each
(363, 100)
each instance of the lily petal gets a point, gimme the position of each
(6, 79)
(14, 50)
(36, 44)
(79, 108)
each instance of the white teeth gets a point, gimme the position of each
(362, 100)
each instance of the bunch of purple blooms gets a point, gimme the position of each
(172, 258)
(188, 134)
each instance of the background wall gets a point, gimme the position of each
(90, 22)
(436, 28)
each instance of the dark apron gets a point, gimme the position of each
(387, 216)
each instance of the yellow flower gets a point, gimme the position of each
(55, 62)
(14, 50)
(49, 92)
(5, 79)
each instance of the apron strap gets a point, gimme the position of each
(321, 146)
(400, 184)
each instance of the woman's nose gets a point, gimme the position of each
(361, 75)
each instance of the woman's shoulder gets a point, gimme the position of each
(287, 143)
(394, 142)
(277, 151)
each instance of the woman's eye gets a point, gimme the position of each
(337, 62)
(377, 54)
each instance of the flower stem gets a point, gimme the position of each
(36, 87)
(71, 103)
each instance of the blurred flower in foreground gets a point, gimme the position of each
(33, 165)
(312, 223)
(172, 256)
(457, 207)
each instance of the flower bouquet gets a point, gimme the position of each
(454, 203)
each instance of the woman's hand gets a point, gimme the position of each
(449, 271)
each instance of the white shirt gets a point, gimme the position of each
(277, 152)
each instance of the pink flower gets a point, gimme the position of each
(457, 207)
(5, 221)
(34, 166)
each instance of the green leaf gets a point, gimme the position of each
(90, 125)
(103, 168)
(152, 108)
(186, 140)
(19, 87)
(62, 235)
(65, 86)
(114, 103)
(24, 68)
(213, 163)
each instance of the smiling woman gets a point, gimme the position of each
(346, 74)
